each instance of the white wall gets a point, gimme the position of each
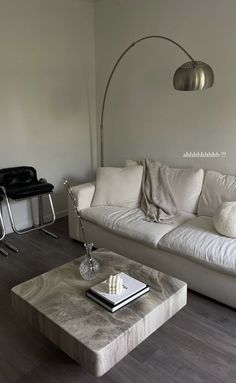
(145, 116)
(47, 91)
(47, 85)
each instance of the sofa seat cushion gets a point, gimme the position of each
(198, 239)
(130, 223)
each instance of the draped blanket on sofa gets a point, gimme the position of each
(158, 201)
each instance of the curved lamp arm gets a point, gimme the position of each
(194, 64)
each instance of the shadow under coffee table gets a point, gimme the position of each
(56, 303)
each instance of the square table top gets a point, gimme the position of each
(56, 303)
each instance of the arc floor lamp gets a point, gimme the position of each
(192, 75)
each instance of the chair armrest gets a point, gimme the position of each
(84, 194)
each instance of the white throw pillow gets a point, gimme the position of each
(118, 186)
(224, 219)
(217, 188)
(186, 185)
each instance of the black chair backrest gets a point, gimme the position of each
(20, 175)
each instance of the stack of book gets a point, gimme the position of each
(132, 289)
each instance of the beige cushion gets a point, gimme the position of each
(198, 240)
(118, 186)
(224, 219)
(130, 223)
(217, 188)
(186, 185)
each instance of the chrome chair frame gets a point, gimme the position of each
(3, 234)
(42, 224)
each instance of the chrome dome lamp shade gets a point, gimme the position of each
(193, 75)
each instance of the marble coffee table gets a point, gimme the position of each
(56, 304)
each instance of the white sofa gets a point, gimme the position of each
(190, 250)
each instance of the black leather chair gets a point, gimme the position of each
(20, 183)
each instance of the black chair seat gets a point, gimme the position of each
(19, 183)
(30, 190)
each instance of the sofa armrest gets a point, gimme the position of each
(84, 195)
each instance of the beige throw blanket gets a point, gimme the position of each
(158, 202)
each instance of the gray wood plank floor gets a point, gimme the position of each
(197, 345)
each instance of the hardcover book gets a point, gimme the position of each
(132, 289)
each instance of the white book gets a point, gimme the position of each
(110, 306)
(132, 289)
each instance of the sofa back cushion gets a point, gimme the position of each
(186, 185)
(118, 186)
(217, 188)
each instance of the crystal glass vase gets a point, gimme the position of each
(89, 266)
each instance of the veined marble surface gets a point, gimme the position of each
(56, 303)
